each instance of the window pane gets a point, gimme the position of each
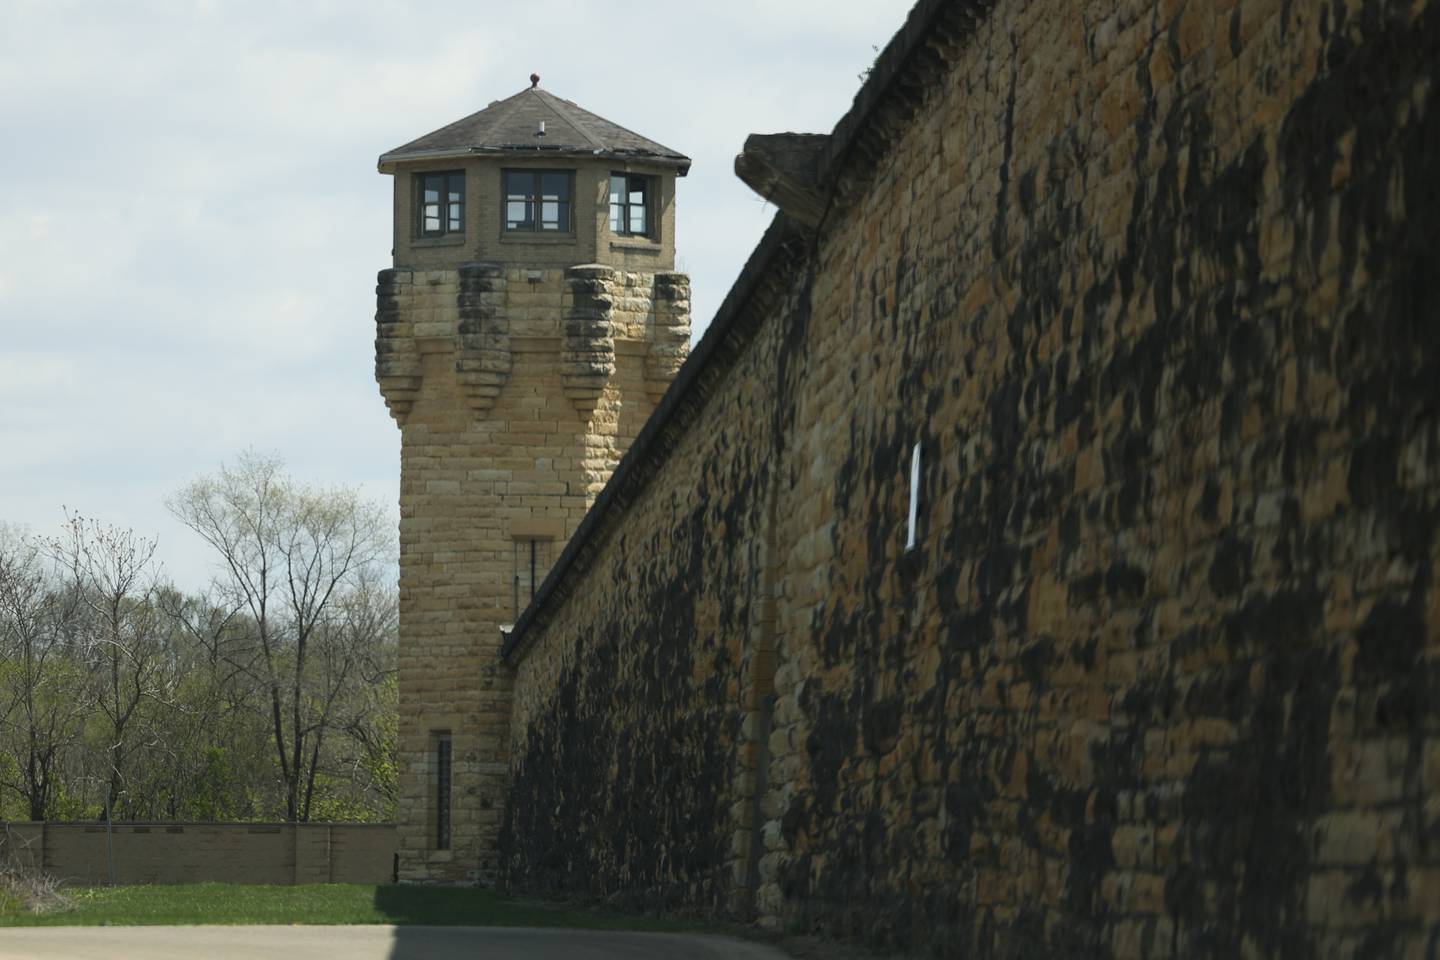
(457, 216)
(554, 216)
(555, 186)
(517, 215)
(637, 219)
(617, 188)
(457, 184)
(617, 217)
(637, 189)
(432, 224)
(519, 184)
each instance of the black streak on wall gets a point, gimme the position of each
(1168, 639)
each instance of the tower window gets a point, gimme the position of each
(443, 763)
(442, 203)
(532, 562)
(629, 205)
(538, 200)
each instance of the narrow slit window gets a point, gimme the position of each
(531, 563)
(443, 766)
(914, 497)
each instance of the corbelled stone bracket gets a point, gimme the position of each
(784, 168)
(670, 333)
(482, 348)
(397, 361)
(587, 359)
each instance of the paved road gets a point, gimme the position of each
(365, 943)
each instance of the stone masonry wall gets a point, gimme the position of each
(269, 853)
(628, 715)
(1153, 285)
(517, 390)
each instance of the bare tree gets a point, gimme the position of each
(369, 714)
(110, 572)
(289, 555)
(216, 765)
(42, 707)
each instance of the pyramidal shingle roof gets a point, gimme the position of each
(512, 127)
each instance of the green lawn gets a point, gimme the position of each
(317, 904)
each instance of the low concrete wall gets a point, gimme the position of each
(275, 853)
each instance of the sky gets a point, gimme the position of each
(191, 220)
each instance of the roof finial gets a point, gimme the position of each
(534, 80)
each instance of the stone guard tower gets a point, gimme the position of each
(528, 327)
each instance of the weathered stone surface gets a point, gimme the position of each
(785, 169)
(669, 334)
(1152, 286)
(482, 356)
(494, 452)
(589, 354)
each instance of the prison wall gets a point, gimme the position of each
(628, 716)
(1152, 285)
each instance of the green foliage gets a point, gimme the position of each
(10, 807)
(335, 803)
(214, 792)
(115, 683)
(74, 806)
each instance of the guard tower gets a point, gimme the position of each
(528, 327)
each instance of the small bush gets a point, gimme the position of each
(36, 893)
(24, 887)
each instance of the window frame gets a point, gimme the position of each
(445, 205)
(535, 200)
(651, 184)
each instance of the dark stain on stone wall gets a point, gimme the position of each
(636, 745)
(1243, 823)
(1159, 678)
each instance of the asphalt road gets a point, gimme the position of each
(365, 943)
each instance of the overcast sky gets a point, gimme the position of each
(191, 220)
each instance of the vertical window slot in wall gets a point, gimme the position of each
(914, 497)
(532, 562)
(443, 766)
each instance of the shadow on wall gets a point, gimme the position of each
(437, 923)
(511, 943)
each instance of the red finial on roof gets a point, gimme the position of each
(534, 80)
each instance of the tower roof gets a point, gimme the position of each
(511, 127)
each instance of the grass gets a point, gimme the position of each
(219, 903)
